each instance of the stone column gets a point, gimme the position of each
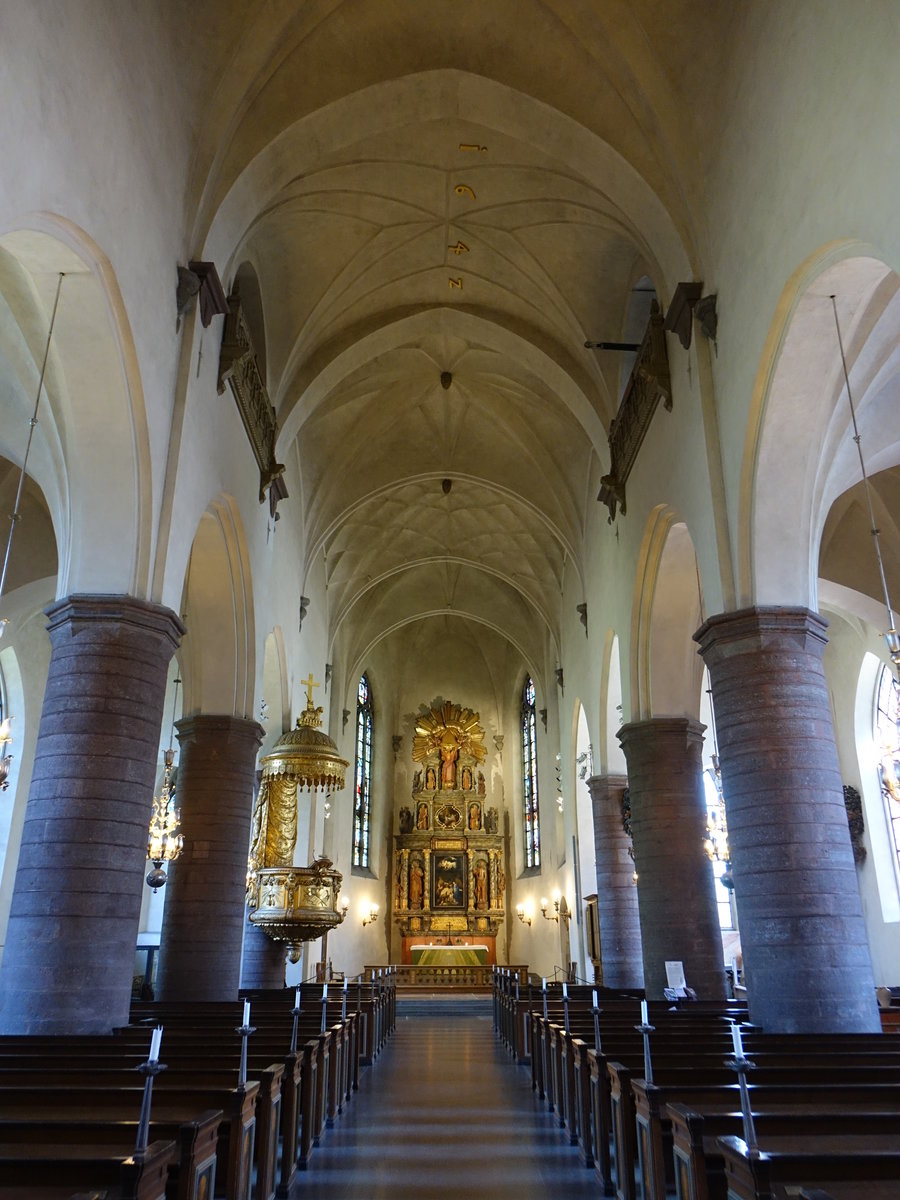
(806, 954)
(203, 922)
(69, 956)
(617, 897)
(676, 888)
(262, 963)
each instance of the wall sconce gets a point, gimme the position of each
(557, 914)
(524, 917)
(343, 905)
(372, 915)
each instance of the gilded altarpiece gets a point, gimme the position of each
(449, 881)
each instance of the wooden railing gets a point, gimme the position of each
(479, 976)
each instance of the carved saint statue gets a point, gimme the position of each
(480, 783)
(430, 780)
(467, 779)
(406, 820)
(481, 884)
(474, 821)
(416, 884)
(422, 816)
(449, 755)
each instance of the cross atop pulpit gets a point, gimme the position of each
(309, 684)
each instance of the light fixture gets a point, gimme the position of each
(344, 905)
(371, 916)
(891, 637)
(164, 842)
(524, 917)
(560, 911)
(6, 760)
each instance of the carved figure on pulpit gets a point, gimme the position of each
(416, 884)
(422, 816)
(431, 780)
(449, 755)
(481, 787)
(491, 821)
(406, 820)
(481, 884)
(474, 816)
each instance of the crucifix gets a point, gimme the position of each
(309, 684)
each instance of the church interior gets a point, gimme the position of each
(451, 455)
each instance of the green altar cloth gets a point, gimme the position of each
(449, 956)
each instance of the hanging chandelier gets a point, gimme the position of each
(6, 759)
(164, 842)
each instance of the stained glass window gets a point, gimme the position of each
(887, 739)
(362, 795)
(531, 812)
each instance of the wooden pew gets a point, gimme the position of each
(43, 1171)
(698, 1162)
(850, 1166)
(190, 1171)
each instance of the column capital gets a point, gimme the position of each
(680, 729)
(85, 610)
(600, 786)
(754, 630)
(221, 726)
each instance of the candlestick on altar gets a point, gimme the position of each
(244, 1030)
(646, 1029)
(742, 1065)
(150, 1069)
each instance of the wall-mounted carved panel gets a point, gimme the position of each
(239, 368)
(648, 384)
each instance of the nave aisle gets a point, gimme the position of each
(446, 1114)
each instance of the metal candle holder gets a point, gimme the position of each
(244, 1031)
(596, 1013)
(295, 1013)
(149, 1069)
(744, 1065)
(646, 1030)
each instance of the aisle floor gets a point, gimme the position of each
(444, 1113)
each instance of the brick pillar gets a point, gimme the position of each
(617, 897)
(69, 956)
(262, 965)
(676, 889)
(203, 921)
(806, 954)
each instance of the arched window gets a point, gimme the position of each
(362, 794)
(887, 739)
(531, 811)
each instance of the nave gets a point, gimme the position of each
(447, 1114)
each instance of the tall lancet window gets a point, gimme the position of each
(887, 740)
(362, 795)
(530, 809)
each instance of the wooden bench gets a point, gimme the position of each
(850, 1166)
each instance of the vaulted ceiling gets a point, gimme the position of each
(441, 204)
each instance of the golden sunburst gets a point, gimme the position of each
(450, 724)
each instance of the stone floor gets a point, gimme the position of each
(445, 1113)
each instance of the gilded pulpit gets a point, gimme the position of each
(449, 876)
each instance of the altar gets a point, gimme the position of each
(449, 956)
